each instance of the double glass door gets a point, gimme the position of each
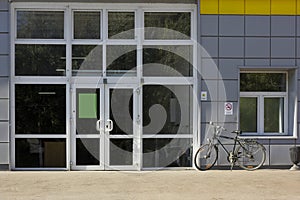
(105, 127)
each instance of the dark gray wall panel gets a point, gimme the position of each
(257, 25)
(3, 5)
(257, 47)
(257, 62)
(228, 90)
(4, 65)
(231, 25)
(229, 68)
(4, 89)
(4, 132)
(4, 21)
(209, 111)
(209, 25)
(232, 47)
(115, 1)
(209, 68)
(4, 43)
(283, 47)
(283, 26)
(210, 44)
(283, 62)
(211, 86)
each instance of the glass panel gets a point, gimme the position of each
(169, 152)
(167, 109)
(87, 60)
(248, 114)
(87, 25)
(88, 110)
(40, 60)
(87, 151)
(40, 109)
(263, 82)
(40, 24)
(121, 60)
(274, 115)
(121, 152)
(167, 61)
(121, 111)
(121, 25)
(37, 153)
(167, 25)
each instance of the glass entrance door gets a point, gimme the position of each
(103, 136)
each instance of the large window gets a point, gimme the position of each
(263, 103)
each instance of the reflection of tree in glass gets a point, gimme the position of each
(178, 22)
(40, 24)
(121, 22)
(87, 25)
(263, 82)
(40, 59)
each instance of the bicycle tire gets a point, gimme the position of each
(251, 155)
(206, 157)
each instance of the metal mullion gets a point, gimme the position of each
(41, 41)
(160, 136)
(92, 136)
(39, 80)
(169, 80)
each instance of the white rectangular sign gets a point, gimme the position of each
(228, 108)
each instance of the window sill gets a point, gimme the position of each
(268, 136)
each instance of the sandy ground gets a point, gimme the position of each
(183, 185)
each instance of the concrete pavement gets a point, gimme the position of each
(182, 184)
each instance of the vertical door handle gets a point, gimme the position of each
(98, 125)
(109, 126)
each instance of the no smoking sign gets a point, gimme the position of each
(228, 108)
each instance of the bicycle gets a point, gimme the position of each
(247, 153)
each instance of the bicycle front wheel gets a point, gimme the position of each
(251, 155)
(206, 157)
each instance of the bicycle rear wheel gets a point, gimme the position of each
(251, 155)
(206, 157)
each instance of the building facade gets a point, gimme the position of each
(133, 85)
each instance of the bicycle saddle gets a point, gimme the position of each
(237, 132)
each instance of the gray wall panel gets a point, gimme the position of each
(209, 68)
(231, 25)
(4, 88)
(257, 62)
(298, 25)
(4, 43)
(4, 22)
(211, 86)
(283, 48)
(285, 62)
(227, 118)
(231, 47)
(209, 25)
(4, 153)
(283, 26)
(229, 68)
(4, 132)
(280, 155)
(115, 1)
(4, 105)
(257, 25)
(257, 47)
(209, 111)
(3, 5)
(210, 44)
(228, 90)
(4, 65)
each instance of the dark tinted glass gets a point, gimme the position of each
(87, 151)
(40, 24)
(170, 152)
(38, 153)
(248, 114)
(40, 109)
(40, 60)
(121, 152)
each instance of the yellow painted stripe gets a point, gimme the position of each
(283, 7)
(209, 6)
(250, 7)
(225, 7)
(257, 7)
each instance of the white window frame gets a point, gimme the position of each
(260, 96)
(68, 41)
